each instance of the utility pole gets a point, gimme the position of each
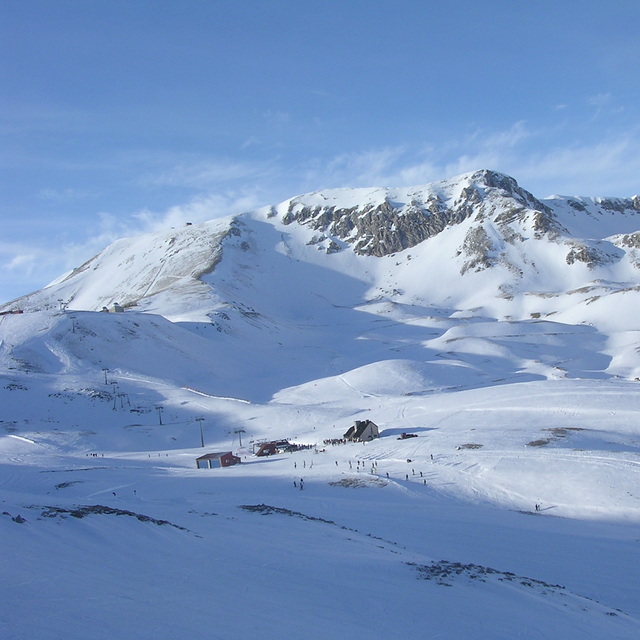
(105, 371)
(159, 410)
(200, 420)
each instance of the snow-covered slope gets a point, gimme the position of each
(497, 328)
(133, 269)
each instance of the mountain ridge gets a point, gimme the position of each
(489, 240)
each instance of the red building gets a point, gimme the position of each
(215, 460)
(267, 449)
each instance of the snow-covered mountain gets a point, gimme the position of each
(478, 240)
(498, 328)
(472, 252)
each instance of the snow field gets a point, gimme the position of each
(519, 381)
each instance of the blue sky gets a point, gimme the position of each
(128, 116)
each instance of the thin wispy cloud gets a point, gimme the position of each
(607, 166)
(604, 106)
(251, 141)
(599, 100)
(17, 256)
(66, 195)
(508, 138)
(31, 265)
(199, 209)
(277, 117)
(208, 174)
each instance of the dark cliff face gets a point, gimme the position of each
(610, 205)
(376, 231)
(620, 205)
(389, 227)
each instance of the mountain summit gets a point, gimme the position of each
(380, 222)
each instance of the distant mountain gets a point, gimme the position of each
(475, 241)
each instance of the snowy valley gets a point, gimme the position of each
(498, 329)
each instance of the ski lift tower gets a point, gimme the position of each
(239, 431)
(200, 420)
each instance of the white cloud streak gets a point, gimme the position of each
(65, 195)
(209, 174)
(199, 209)
(609, 166)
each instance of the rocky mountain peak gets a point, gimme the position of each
(399, 221)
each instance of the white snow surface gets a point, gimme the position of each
(513, 512)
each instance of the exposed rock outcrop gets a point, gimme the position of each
(388, 227)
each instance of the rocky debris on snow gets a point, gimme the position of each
(98, 509)
(444, 573)
(265, 510)
(353, 482)
(18, 519)
(556, 434)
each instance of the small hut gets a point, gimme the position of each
(362, 431)
(216, 460)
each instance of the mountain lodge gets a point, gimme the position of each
(362, 431)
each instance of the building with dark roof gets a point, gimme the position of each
(362, 431)
(215, 460)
